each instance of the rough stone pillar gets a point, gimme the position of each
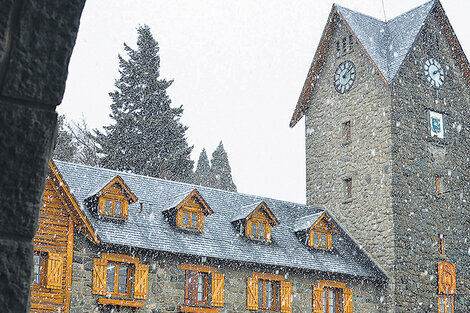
(36, 42)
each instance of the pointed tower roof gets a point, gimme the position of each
(386, 44)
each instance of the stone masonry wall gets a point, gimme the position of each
(419, 214)
(167, 283)
(36, 42)
(365, 159)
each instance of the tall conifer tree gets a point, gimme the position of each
(221, 174)
(203, 168)
(147, 136)
(65, 149)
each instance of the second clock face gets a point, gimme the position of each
(434, 72)
(344, 76)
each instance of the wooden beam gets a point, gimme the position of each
(197, 267)
(193, 309)
(118, 302)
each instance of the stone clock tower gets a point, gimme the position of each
(387, 111)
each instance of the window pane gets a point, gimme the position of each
(323, 239)
(110, 277)
(269, 295)
(260, 294)
(254, 231)
(315, 238)
(261, 231)
(37, 269)
(332, 301)
(193, 219)
(449, 304)
(185, 218)
(107, 206)
(325, 302)
(117, 208)
(200, 288)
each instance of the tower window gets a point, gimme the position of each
(348, 186)
(347, 131)
(351, 42)
(446, 304)
(344, 45)
(441, 244)
(437, 182)
(337, 49)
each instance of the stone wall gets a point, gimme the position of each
(420, 215)
(36, 41)
(167, 282)
(365, 159)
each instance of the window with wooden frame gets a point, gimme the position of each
(446, 304)
(259, 221)
(47, 270)
(203, 286)
(348, 187)
(113, 199)
(190, 218)
(320, 238)
(39, 268)
(332, 297)
(115, 274)
(269, 292)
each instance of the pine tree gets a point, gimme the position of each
(221, 174)
(202, 173)
(87, 149)
(65, 148)
(147, 136)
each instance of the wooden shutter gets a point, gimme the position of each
(329, 244)
(217, 289)
(99, 277)
(141, 281)
(200, 221)
(447, 279)
(54, 271)
(317, 299)
(248, 228)
(252, 293)
(286, 297)
(125, 209)
(179, 218)
(347, 300)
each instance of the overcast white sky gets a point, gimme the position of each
(238, 68)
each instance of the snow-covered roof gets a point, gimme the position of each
(387, 43)
(149, 229)
(305, 222)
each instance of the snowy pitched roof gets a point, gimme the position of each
(386, 43)
(149, 229)
(244, 211)
(305, 222)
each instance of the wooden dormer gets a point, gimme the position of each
(188, 211)
(318, 229)
(114, 199)
(257, 220)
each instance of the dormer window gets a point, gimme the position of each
(254, 221)
(113, 199)
(187, 211)
(317, 230)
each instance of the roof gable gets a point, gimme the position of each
(193, 197)
(317, 220)
(116, 185)
(63, 191)
(254, 210)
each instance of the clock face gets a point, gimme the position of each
(344, 76)
(434, 72)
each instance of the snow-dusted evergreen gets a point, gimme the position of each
(221, 173)
(65, 149)
(203, 168)
(147, 136)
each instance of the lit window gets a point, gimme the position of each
(267, 295)
(438, 184)
(332, 300)
(446, 304)
(117, 279)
